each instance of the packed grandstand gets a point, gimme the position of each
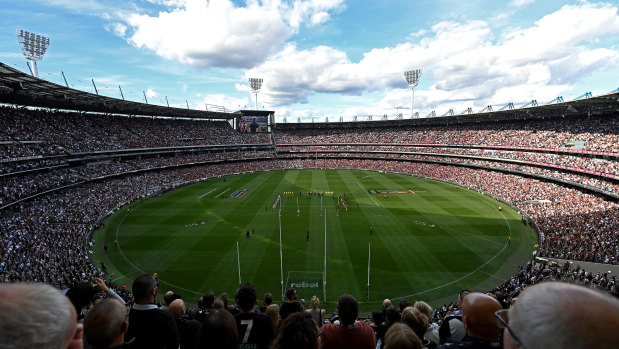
(61, 171)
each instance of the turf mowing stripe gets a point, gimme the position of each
(461, 278)
(408, 255)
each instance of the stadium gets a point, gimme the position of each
(407, 209)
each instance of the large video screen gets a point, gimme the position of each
(253, 124)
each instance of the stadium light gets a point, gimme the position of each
(412, 78)
(33, 47)
(255, 85)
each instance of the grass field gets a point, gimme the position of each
(425, 245)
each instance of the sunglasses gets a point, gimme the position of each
(503, 322)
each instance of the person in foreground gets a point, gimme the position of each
(480, 323)
(561, 315)
(105, 325)
(218, 331)
(255, 329)
(350, 333)
(298, 331)
(401, 336)
(37, 316)
(149, 326)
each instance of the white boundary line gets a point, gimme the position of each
(140, 270)
(469, 274)
(365, 190)
(205, 194)
(324, 278)
(473, 235)
(459, 279)
(218, 195)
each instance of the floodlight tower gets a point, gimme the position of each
(255, 85)
(412, 78)
(33, 47)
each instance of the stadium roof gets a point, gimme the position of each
(596, 106)
(19, 88)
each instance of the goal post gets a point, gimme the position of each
(312, 281)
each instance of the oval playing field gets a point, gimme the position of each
(410, 237)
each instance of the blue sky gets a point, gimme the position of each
(323, 58)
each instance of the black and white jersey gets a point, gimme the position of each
(255, 330)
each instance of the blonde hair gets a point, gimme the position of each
(400, 336)
(315, 302)
(416, 320)
(272, 311)
(424, 308)
(219, 304)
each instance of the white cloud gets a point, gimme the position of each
(242, 88)
(205, 34)
(118, 29)
(319, 18)
(311, 11)
(419, 33)
(464, 63)
(292, 75)
(150, 93)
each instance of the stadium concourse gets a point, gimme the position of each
(61, 172)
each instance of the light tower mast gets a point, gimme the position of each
(33, 47)
(255, 85)
(412, 78)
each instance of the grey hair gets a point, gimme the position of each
(561, 315)
(34, 316)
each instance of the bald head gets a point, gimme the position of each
(37, 316)
(167, 297)
(386, 303)
(177, 308)
(560, 315)
(478, 316)
(106, 324)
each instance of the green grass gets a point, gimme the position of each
(425, 246)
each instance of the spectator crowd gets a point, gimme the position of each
(46, 239)
(535, 309)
